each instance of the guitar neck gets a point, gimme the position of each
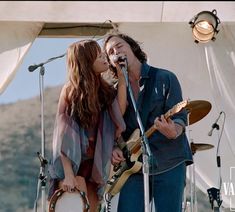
(148, 133)
(177, 108)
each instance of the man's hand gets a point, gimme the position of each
(168, 127)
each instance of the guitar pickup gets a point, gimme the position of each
(116, 167)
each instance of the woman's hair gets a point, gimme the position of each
(134, 45)
(87, 93)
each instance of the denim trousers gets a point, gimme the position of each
(166, 189)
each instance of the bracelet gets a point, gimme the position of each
(179, 130)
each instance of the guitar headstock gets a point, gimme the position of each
(176, 109)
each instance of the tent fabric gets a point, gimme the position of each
(117, 11)
(221, 67)
(206, 71)
(220, 58)
(16, 39)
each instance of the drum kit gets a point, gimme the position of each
(64, 201)
(197, 110)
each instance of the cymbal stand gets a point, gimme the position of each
(193, 200)
(193, 186)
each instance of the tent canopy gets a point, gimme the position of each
(205, 71)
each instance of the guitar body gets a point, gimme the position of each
(126, 168)
(114, 188)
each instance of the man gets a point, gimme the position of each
(155, 91)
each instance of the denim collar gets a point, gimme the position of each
(145, 70)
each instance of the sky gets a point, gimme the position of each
(26, 84)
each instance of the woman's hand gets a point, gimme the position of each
(69, 183)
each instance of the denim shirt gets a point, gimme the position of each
(164, 93)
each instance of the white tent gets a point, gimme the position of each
(206, 71)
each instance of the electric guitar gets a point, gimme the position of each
(132, 151)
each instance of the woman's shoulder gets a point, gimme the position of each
(65, 88)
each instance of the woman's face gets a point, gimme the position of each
(100, 64)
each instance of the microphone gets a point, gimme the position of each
(34, 67)
(118, 58)
(215, 125)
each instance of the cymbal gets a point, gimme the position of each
(200, 147)
(197, 110)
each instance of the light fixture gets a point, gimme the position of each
(204, 26)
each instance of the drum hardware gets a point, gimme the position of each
(196, 110)
(195, 147)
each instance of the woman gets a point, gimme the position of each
(87, 123)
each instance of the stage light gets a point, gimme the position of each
(204, 26)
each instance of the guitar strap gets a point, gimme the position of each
(148, 89)
(148, 85)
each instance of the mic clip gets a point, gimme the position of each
(215, 126)
(42, 160)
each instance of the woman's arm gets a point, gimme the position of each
(69, 182)
(122, 91)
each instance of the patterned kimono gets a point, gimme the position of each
(73, 141)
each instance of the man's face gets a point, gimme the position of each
(117, 46)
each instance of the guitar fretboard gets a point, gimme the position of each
(177, 108)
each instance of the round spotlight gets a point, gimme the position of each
(204, 26)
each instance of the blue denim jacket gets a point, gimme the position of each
(164, 93)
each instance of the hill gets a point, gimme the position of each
(20, 140)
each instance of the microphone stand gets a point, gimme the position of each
(42, 177)
(144, 142)
(34, 67)
(214, 193)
